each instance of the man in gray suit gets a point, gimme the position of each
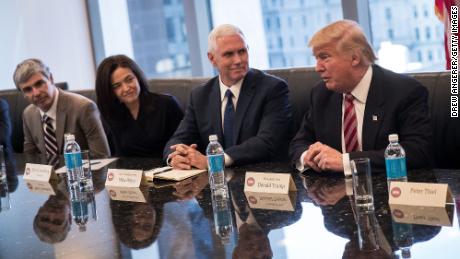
(64, 112)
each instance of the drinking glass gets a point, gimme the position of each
(86, 183)
(362, 184)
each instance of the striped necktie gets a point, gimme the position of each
(350, 125)
(50, 141)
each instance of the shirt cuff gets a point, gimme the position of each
(168, 161)
(346, 164)
(348, 186)
(228, 160)
(299, 164)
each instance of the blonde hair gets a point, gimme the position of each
(347, 36)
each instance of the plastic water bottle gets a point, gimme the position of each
(73, 162)
(403, 239)
(222, 216)
(83, 204)
(395, 160)
(216, 164)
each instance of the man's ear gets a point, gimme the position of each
(211, 59)
(355, 58)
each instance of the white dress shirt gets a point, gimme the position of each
(51, 112)
(360, 96)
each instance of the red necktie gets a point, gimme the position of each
(350, 125)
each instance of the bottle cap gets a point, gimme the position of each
(69, 137)
(393, 137)
(212, 137)
(405, 252)
(81, 227)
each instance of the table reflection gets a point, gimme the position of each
(184, 220)
(53, 219)
(382, 236)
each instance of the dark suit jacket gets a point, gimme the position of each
(401, 106)
(263, 119)
(74, 114)
(5, 127)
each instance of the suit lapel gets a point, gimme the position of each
(334, 111)
(246, 95)
(374, 112)
(61, 116)
(37, 120)
(216, 108)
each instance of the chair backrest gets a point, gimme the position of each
(446, 137)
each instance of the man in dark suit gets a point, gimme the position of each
(357, 105)
(66, 112)
(5, 127)
(253, 126)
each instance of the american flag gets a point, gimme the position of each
(442, 9)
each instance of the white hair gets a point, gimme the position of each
(220, 31)
(27, 68)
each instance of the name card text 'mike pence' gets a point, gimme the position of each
(268, 182)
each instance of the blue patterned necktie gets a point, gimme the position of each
(228, 120)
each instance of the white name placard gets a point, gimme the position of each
(126, 194)
(271, 201)
(268, 182)
(40, 187)
(123, 178)
(432, 216)
(39, 172)
(419, 194)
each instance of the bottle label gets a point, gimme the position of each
(396, 167)
(72, 160)
(216, 163)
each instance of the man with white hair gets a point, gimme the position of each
(246, 108)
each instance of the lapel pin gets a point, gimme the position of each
(374, 118)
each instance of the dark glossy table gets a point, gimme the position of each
(177, 221)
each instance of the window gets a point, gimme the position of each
(388, 13)
(419, 56)
(170, 29)
(280, 42)
(425, 12)
(155, 35)
(292, 23)
(390, 34)
(405, 48)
